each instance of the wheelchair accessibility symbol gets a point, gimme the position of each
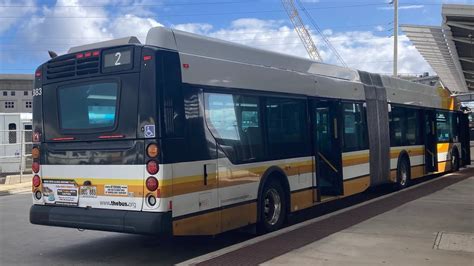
(149, 131)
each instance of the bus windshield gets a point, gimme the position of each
(88, 106)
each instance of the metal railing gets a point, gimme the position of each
(15, 152)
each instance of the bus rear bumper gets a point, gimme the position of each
(135, 222)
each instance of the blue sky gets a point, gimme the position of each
(359, 29)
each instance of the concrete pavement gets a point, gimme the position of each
(406, 235)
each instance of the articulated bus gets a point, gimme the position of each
(188, 135)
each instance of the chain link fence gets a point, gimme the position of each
(15, 152)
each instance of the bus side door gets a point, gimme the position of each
(327, 147)
(431, 156)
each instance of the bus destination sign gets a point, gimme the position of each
(117, 58)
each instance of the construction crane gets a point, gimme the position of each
(303, 33)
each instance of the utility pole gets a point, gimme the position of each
(395, 38)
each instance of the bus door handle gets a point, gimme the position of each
(205, 175)
(335, 128)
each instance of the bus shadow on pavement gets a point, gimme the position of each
(137, 249)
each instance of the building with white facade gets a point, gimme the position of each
(16, 93)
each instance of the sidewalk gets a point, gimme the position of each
(429, 224)
(15, 188)
(435, 230)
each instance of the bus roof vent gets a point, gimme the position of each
(110, 43)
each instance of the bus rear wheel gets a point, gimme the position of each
(455, 161)
(403, 174)
(272, 207)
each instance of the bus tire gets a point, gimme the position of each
(455, 160)
(403, 173)
(273, 207)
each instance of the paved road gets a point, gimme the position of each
(23, 243)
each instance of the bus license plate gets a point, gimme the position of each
(88, 192)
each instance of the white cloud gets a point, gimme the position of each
(379, 28)
(128, 25)
(60, 24)
(52, 28)
(360, 49)
(13, 11)
(198, 28)
(73, 22)
(327, 32)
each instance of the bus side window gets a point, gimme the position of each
(443, 126)
(286, 122)
(12, 133)
(355, 128)
(234, 122)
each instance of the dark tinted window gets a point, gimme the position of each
(235, 123)
(412, 135)
(405, 126)
(12, 133)
(88, 106)
(396, 126)
(286, 123)
(355, 127)
(455, 126)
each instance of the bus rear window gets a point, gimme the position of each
(88, 106)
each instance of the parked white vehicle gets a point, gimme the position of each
(15, 145)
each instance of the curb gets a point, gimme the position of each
(19, 188)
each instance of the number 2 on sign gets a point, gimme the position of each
(118, 55)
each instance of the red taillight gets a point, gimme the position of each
(63, 139)
(146, 57)
(36, 181)
(38, 73)
(88, 54)
(152, 183)
(95, 53)
(78, 56)
(152, 167)
(35, 167)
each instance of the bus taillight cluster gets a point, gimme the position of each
(35, 167)
(152, 168)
